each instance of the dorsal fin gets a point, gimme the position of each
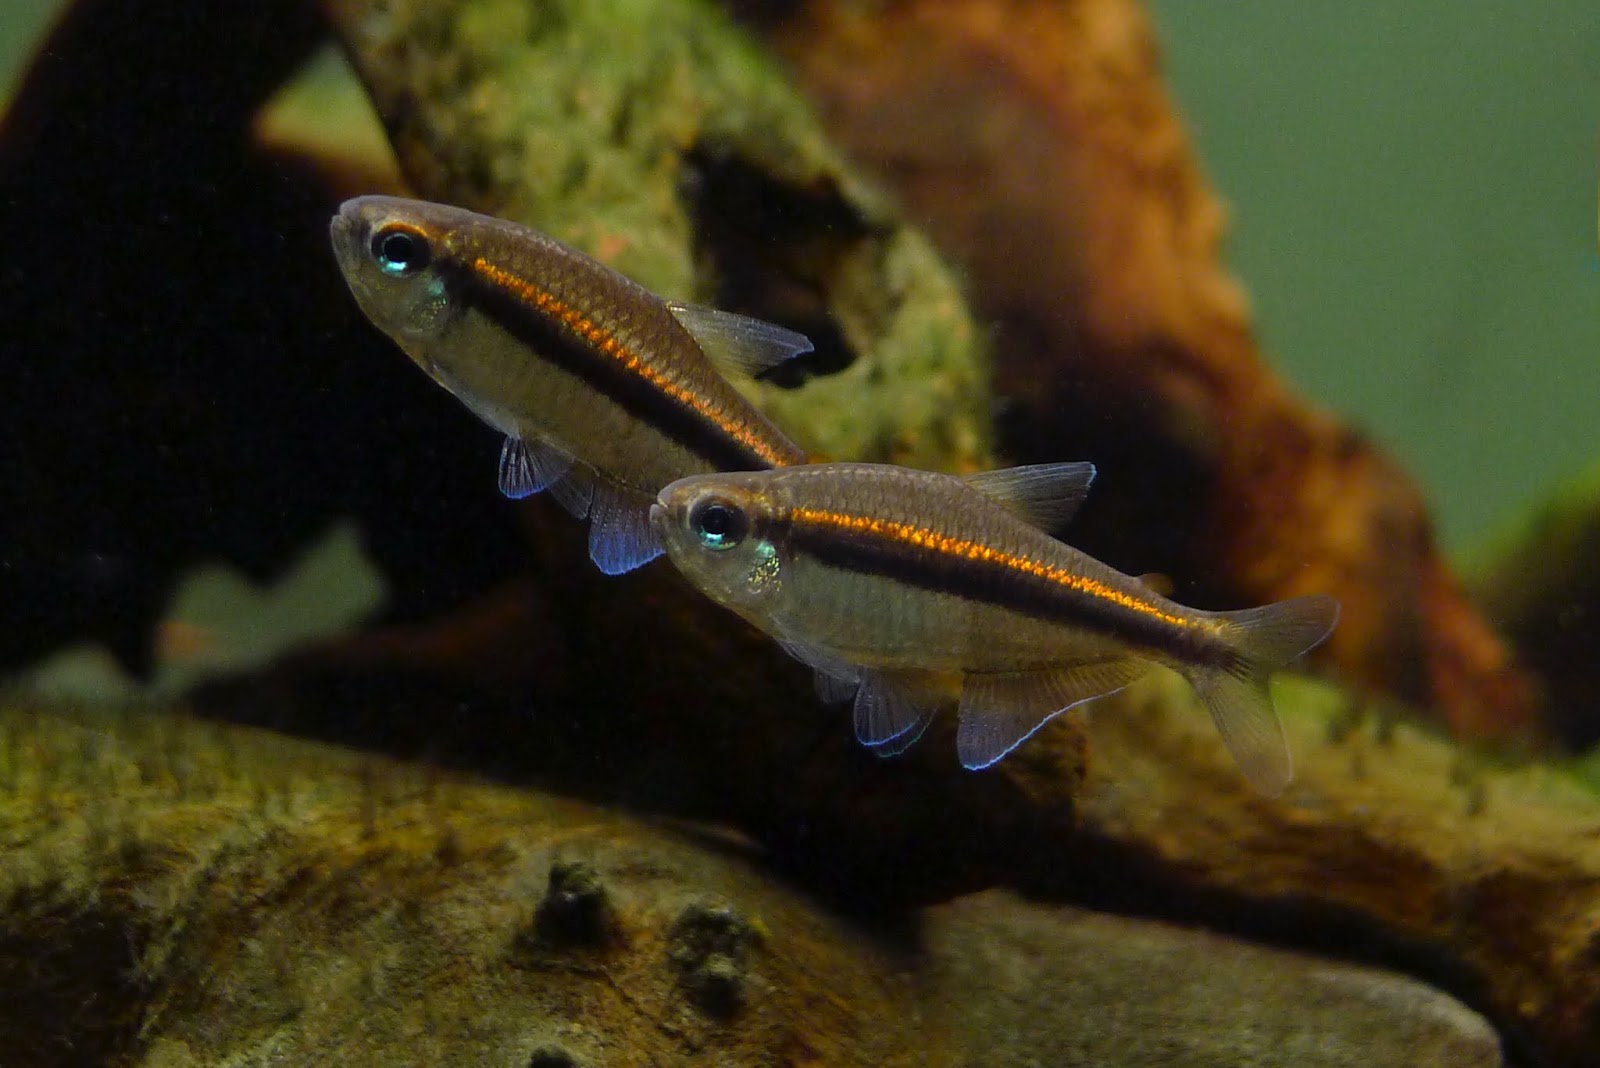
(1046, 495)
(738, 344)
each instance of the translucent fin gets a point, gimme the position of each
(620, 535)
(528, 467)
(738, 344)
(1046, 495)
(1241, 708)
(1272, 635)
(574, 491)
(884, 712)
(836, 679)
(831, 689)
(895, 746)
(1000, 711)
(1264, 639)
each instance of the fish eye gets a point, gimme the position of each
(399, 252)
(718, 524)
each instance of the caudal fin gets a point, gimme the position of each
(1264, 639)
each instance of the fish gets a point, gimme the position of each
(604, 391)
(909, 590)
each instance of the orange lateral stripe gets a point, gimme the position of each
(603, 341)
(923, 538)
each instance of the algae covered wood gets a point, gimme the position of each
(180, 894)
(658, 137)
(636, 136)
(1393, 842)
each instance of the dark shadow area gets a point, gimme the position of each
(72, 1000)
(775, 249)
(182, 377)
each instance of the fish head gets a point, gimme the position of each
(721, 532)
(393, 253)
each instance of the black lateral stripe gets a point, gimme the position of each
(552, 341)
(993, 583)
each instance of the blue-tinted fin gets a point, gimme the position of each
(1264, 639)
(1046, 495)
(895, 746)
(884, 712)
(999, 711)
(528, 467)
(738, 344)
(836, 679)
(620, 535)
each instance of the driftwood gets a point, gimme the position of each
(667, 143)
(182, 894)
(1046, 157)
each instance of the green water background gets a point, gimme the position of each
(1413, 189)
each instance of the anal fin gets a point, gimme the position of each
(999, 711)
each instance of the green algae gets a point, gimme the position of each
(657, 136)
(220, 895)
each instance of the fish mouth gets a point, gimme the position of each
(344, 233)
(658, 514)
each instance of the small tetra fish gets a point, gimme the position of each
(604, 391)
(902, 586)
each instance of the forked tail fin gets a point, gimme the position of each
(1264, 640)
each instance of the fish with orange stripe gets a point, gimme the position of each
(905, 589)
(605, 392)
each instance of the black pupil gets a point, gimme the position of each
(400, 251)
(716, 520)
(399, 248)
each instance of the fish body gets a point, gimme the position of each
(904, 585)
(605, 392)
